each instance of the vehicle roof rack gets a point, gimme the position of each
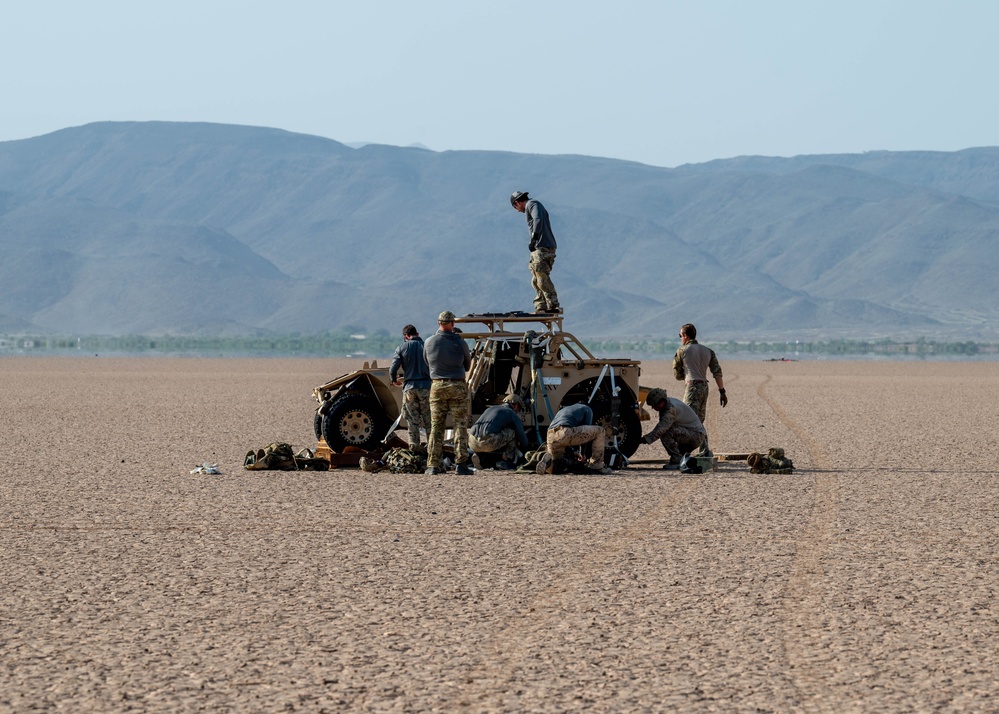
(497, 321)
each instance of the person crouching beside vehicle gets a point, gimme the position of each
(679, 429)
(500, 429)
(573, 426)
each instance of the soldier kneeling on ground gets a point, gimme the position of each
(500, 429)
(679, 429)
(573, 426)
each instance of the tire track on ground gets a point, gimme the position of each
(487, 684)
(802, 604)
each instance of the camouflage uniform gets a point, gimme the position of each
(448, 397)
(691, 364)
(542, 247)
(573, 425)
(560, 437)
(505, 442)
(448, 358)
(499, 428)
(416, 387)
(541, 263)
(678, 429)
(695, 396)
(416, 410)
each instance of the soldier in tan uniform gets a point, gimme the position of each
(678, 428)
(691, 364)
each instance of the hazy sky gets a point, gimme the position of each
(660, 82)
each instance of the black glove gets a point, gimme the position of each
(722, 398)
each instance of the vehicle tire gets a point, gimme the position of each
(628, 424)
(317, 424)
(355, 420)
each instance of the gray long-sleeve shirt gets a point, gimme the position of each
(409, 356)
(447, 355)
(539, 226)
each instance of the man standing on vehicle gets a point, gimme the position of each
(678, 428)
(448, 357)
(500, 429)
(542, 247)
(691, 364)
(416, 384)
(572, 426)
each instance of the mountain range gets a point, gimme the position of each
(184, 228)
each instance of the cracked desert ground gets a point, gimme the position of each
(864, 582)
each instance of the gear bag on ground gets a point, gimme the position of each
(282, 457)
(775, 462)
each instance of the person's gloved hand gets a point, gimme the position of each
(722, 398)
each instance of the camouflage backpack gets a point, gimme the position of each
(775, 462)
(280, 456)
(405, 461)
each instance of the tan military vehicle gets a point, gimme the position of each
(512, 353)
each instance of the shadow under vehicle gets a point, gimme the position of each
(512, 353)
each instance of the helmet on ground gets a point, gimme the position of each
(655, 396)
(518, 196)
(513, 400)
(446, 316)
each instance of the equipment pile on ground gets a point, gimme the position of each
(280, 456)
(773, 463)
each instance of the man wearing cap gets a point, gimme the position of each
(691, 365)
(448, 358)
(678, 428)
(415, 381)
(542, 247)
(573, 426)
(500, 429)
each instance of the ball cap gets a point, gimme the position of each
(446, 316)
(518, 196)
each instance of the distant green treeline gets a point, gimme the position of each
(382, 344)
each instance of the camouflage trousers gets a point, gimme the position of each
(680, 440)
(542, 261)
(696, 397)
(563, 436)
(416, 410)
(504, 442)
(448, 398)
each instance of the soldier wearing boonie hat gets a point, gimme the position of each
(448, 357)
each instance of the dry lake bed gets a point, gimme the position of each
(865, 581)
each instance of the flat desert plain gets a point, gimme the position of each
(865, 581)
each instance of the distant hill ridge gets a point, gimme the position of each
(177, 228)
